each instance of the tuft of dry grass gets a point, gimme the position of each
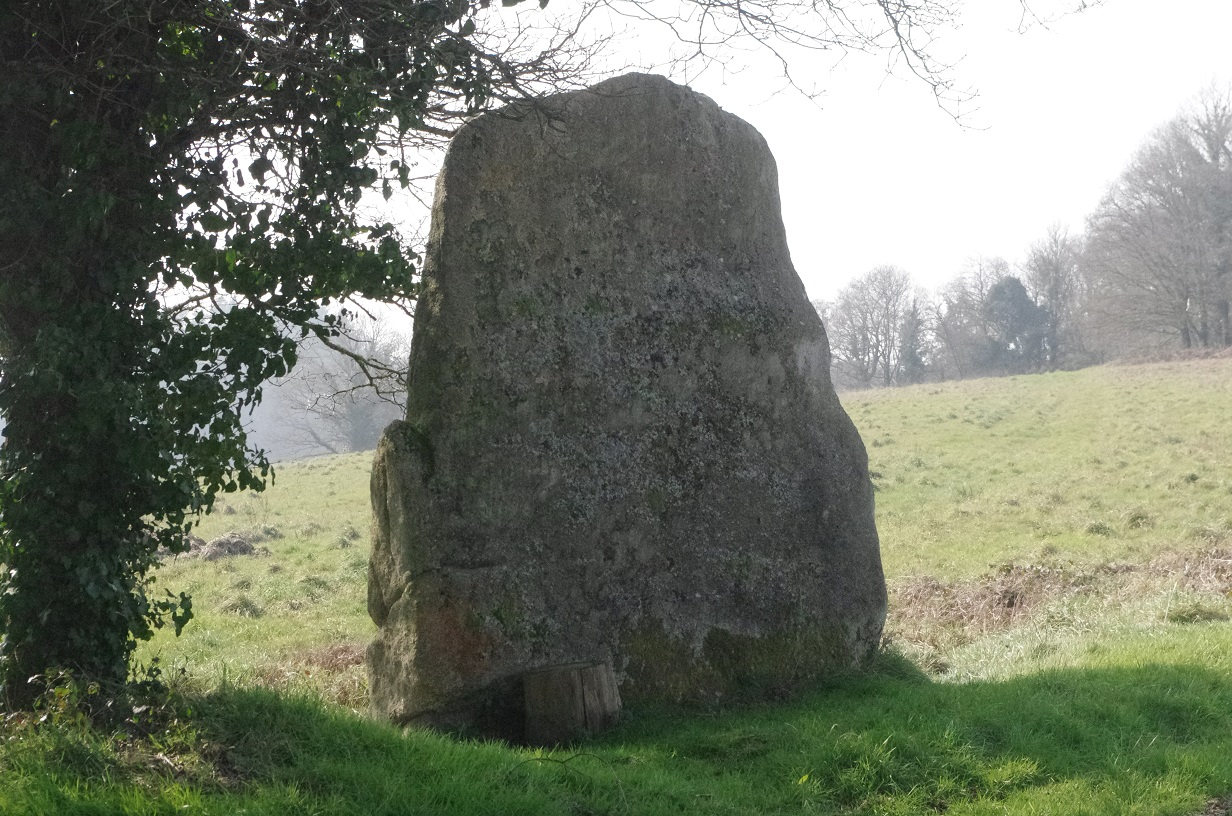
(1208, 570)
(993, 602)
(333, 672)
(932, 617)
(335, 657)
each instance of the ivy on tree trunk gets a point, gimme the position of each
(181, 183)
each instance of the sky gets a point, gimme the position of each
(875, 172)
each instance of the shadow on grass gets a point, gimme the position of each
(1153, 738)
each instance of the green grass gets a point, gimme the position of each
(294, 616)
(1108, 463)
(1060, 561)
(1144, 726)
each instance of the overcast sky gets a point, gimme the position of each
(876, 173)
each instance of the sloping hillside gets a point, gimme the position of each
(980, 484)
(1060, 554)
(1114, 462)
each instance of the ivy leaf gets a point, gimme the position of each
(260, 167)
(212, 222)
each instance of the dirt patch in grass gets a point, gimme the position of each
(1219, 807)
(1208, 570)
(939, 615)
(336, 657)
(332, 672)
(989, 603)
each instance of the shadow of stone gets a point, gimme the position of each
(1116, 731)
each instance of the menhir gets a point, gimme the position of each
(622, 443)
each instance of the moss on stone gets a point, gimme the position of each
(774, 665)
(656, 500)
(419, 443)
(596, 305)
(526, 307)
(730, 667)
(661, 667)
(729, 325)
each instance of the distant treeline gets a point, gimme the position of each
(1150, 273)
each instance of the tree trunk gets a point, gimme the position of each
(564, 702)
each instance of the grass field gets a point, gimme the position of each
(1059, 549)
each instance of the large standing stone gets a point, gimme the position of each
(621, 443)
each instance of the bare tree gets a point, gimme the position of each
(865, 325)
(1053, 278)
(1159, 246)
(706, 33)
(344, 390)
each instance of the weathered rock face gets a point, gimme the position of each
(622, 442)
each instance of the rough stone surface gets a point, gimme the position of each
(622, 443)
